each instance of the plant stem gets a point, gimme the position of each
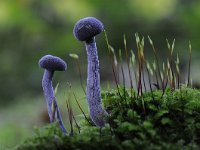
(189, 64)
(112, 64)
(127, 61)
(79, 106)
(80, 75)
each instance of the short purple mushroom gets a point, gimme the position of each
(51, 64)
(85, 30)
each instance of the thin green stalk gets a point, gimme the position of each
(123, 77)
(78, 127)
(177, 72)
(79, 106)
(80, 75)
(148, 69)
(155, 72)
(143, 78)
(139, 88)
(189, 64)
(127, 61)
(133, 65)
(171, 50)
(113, 70)
(69, 109)
(76, 57)
(156, 58)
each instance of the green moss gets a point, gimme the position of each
(170, 122)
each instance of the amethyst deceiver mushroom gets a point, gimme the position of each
(51, 64)
(85, 30)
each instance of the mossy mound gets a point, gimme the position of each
(170, 121)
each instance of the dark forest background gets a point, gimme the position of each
(30, 29)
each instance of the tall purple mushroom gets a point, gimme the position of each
(85, 30)
(51, 64)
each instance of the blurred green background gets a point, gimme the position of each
(30, 29)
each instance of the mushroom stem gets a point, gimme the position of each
(97, 113)
(59, 117)
(48, 91)
(50, 98)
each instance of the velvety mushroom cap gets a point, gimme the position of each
(52, 63)
(85, 29)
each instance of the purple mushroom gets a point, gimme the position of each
(50, 64)
(85, 30)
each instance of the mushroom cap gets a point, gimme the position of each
(87, 28)
(52, 63)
